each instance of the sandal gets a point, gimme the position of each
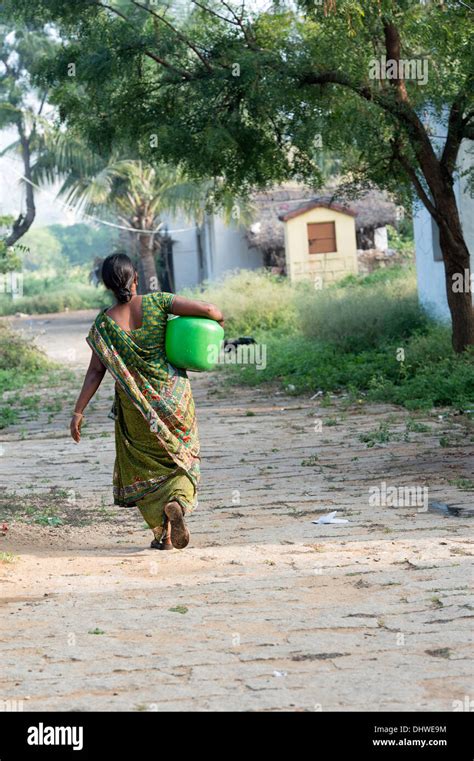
(163, 543)
(157, 544)
(179, 531)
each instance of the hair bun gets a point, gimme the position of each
(124, 295)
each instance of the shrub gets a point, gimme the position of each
(20, 362)
(71, 296)
(251, 300)
(358, 318)
(421, 381)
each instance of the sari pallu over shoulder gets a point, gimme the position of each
(161, 393)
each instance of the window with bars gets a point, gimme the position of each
(322, 237)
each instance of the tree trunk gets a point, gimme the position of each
(150, 277)
(457, 269)
(23, 222)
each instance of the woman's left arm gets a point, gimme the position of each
(94, 375)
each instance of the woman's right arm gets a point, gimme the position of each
(194, 308)
(94, 375)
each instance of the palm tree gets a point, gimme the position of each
(136, 193)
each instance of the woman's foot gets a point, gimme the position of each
(162, 541)
(179, 530)
(157, 544)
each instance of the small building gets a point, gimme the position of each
(320, 242)
(207, 251)
(374, 211)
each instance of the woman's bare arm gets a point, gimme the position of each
(93, 379)
(194, 308)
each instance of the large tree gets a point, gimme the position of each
(21, 108)
(250, 95)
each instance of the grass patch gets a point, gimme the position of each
(367, 336)
(8, 557)
(23, 365)
(179, 609)
(55, 507)
(465, 484)
(20, 362)
(356, 317)
(380, 436)
(49, 298)
(421, 382)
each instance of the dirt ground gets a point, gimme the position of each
(265, 610)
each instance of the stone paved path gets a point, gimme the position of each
(265, 610)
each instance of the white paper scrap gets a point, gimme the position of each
(331, 518)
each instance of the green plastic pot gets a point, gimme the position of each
(193, 343)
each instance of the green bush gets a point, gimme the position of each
(431, 374)
(357, 318)
(43, 301)
(20, 362)
(349, 337)
(251, 300)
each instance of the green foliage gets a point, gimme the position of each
(227, 100)
(43, 250)
(59, 247)
(310, 366)
(59, 297)
(251, 300)
(81, 244)
(10, 258)
(359, 318)
(348, 338)
(20, 363)
(379, 276)
(401, 241)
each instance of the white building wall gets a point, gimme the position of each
(466, 160)
(381, 239)
(231, 250)
(185, 258)
(224, 248)
(430, 273)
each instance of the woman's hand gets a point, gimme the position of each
(76, 422)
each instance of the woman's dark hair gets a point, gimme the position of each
(117, 275)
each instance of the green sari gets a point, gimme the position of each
(156, 437)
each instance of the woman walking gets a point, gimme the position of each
(156, 437)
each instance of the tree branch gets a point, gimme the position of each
(401, 111)
(455, 133)
(213, 12)
(181, 72)
(393, 48)
(178, 34)
(23, 222)
(409, 169)
(249, 38)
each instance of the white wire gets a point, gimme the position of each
(96, 219)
